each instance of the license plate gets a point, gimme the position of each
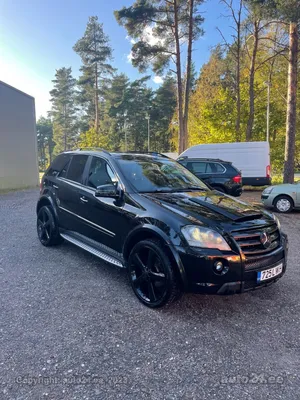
(269, 273)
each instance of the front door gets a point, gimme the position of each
(105, 215)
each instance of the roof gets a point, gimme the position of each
(15, 89)
(96, 150)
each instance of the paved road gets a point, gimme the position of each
(70, 328)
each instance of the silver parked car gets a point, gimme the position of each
(284, 198)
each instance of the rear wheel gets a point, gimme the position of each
(283, 204)
(47, 227)
(151, 274)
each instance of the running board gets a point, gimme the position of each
(92, 250)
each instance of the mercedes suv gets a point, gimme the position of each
(152, 216)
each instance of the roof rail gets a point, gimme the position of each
(203, 159)
(153, 153)
(92, 149)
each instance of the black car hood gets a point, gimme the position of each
(207, 204)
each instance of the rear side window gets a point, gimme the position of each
(217, 168)
(197, 167)
(58, 164)
(76, 168)
(233, 170)
(63, 172)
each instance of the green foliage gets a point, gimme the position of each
(288, 10)
(152, 24)
(91, 138)
(63, 110)
(96, 54)
(212, 106)
(162, 110)
(44, 130)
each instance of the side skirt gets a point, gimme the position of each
(91, 249)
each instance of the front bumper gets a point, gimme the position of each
(267, 200)
(241, 275)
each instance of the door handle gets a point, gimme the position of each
(55, 186)
(83, 199)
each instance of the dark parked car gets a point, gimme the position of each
(218, 174)
(149, 214)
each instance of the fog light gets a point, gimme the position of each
(219, 266)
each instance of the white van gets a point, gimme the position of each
(251, 158)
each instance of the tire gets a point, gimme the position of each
(283, 204)
(47, 227)
(152, 276)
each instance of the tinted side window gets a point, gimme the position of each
(209, 169)
(219, 169)
(76, 168)
(198, 167)
(63, 172)
(58, 164)
(100, 173)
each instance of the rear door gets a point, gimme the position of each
(70, 194)
(202, 169)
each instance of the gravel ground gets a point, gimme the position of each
(71, 328)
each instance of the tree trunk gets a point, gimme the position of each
(288, 175)
(251, 83)
(50, 152)
(188, 75)
(179, 82)
(96, 101)
(65, 130)
(238, 87)
(238, 75)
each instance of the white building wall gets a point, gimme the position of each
(18, 145)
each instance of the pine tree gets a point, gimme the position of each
(96, 54)
(162, 27)
(288, 11)
(63, 109)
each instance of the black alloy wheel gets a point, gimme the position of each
(47, 228)
(151, 274)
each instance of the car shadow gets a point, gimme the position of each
(189, 306)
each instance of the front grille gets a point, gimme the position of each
(257, 263)
(250, 243)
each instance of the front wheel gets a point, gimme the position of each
(283, 204)
(47, 227)
(152, 276)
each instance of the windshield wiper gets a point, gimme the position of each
(174, 190)
(157, 191)
(185, 189)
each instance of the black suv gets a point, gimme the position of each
(149, 214)
(218, 174)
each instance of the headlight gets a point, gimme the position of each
(268, 190)
(204, 237)
(277, 221)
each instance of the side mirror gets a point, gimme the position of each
(109, 190)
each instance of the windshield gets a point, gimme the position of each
(149, 174)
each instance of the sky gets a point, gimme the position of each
(37, 36)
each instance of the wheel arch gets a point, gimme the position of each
(283, 195)
(151, 232)
(46, 201)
